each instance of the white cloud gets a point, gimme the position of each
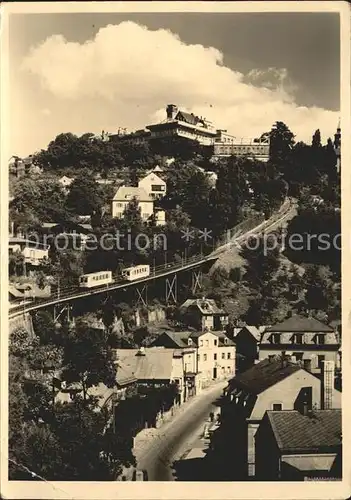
(139, 71)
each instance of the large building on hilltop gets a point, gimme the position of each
(181, 124)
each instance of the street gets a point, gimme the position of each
(177, 436)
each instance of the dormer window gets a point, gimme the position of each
(275, 338)
(298, 338)
(320, 338)
(225, 340)
(190, 342)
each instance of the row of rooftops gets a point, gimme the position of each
(189, 338)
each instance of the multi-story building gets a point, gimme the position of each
(308, 340)
(272, 384)
(203, 314)
(139, 137)
(215, 352)
(228, 145)
(298, 445)
(125, 194)
(153, 185)
(182, 124)
(33, 252)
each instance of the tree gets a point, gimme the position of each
(227, 199)
(16, 264)
(316, 139)
(281, 144)
(84, 197)
(87, 358)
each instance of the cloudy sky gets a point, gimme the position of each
(91, 72)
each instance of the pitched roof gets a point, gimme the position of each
(206, 306)
(153, 176)
(15, 292)
(188, 117)
(298, 323)
(128, 193)
(224, 340)
(179, 338)
(295, 432)
(256, 332)
(124, 375)
(264, 375)
(154, 364)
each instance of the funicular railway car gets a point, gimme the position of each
(136, 272)
(91, 280)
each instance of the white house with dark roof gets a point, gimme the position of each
(203, 314)
(308, 340)
(125, 194)
(215, 352)
(297, 445)
(273, 384)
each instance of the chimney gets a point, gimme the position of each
(171, 111)
(327, 384)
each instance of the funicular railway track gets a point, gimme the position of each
(72, 293)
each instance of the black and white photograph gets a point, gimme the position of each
(172, 186)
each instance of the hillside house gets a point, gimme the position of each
(153, 185)
(33, 252)
(125, 194)
(203, 314)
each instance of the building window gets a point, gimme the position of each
(207, 343)
(321, 359)
(298, 356)
(215, 357)
(228, 355)
(275, 338)
(298, 338)
(198, 357)
(201, 343)
(223, 355)
(215, 342)
(205, 357)
(277, 406)
(320, 339)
